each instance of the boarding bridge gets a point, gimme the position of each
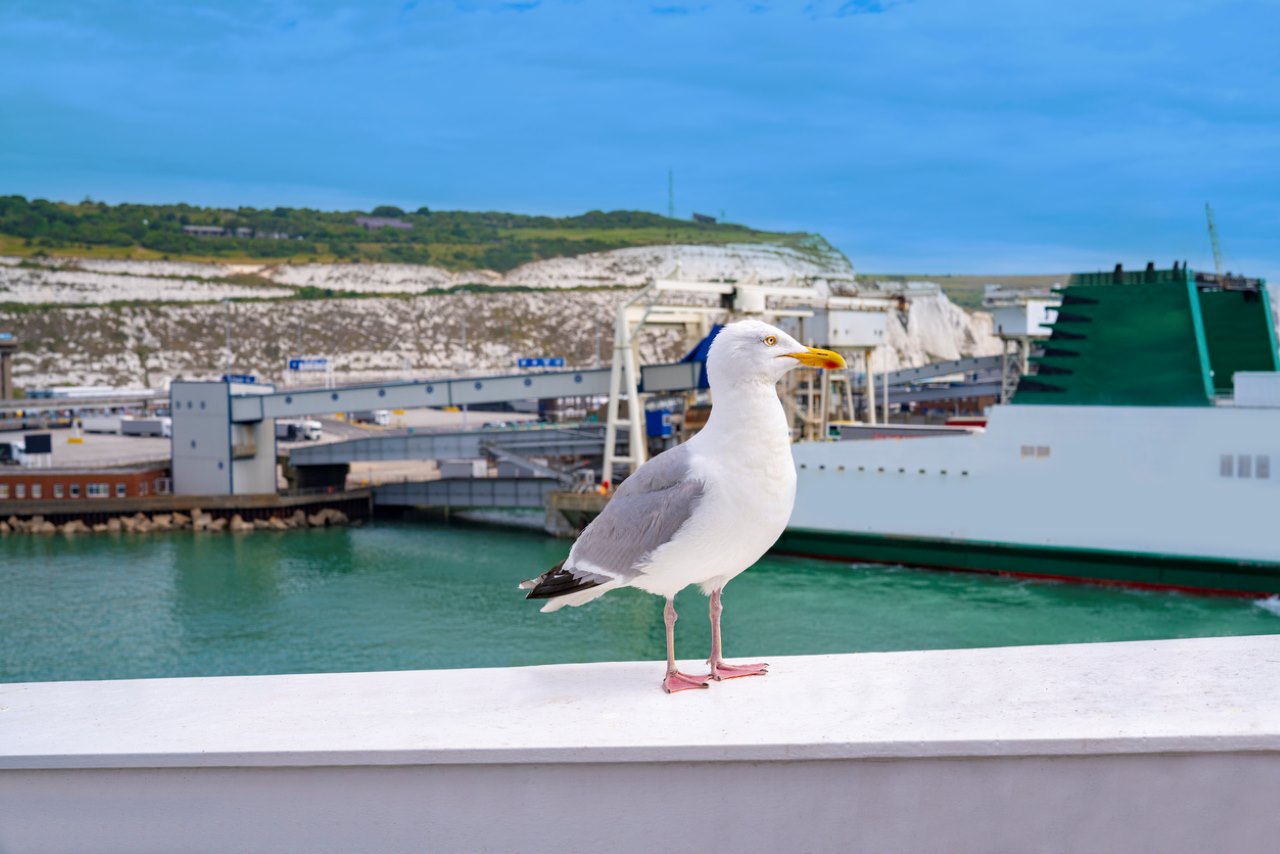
(469, 493)
(926, 383)
(224, 433)
(980, 365)
(518, 446)
(552, 441)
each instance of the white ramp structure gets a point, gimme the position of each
(665, 302)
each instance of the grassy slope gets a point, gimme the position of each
(455, 240)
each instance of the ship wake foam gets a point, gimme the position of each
(1271, 603)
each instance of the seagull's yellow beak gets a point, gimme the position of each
(815, 358)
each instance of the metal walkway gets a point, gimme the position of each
(587, 440)
(468, 492)
(956, 391)
(920, 385)
(678, 376)
(973, 365)
(58, 404)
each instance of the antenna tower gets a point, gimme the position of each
(1213, 238)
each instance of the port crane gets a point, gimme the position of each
(1213, 238)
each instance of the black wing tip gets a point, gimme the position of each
(559, 581)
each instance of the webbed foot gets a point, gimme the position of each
(677, 681)
(721, 671)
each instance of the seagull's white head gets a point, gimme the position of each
(754, 351)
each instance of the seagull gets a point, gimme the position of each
(703, 511)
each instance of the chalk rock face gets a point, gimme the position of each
(86, 287)
(376, 278)
(367, 339)
(625, 267)
(935, 329)
(637, 265)
(177, 328)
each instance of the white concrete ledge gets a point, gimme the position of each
(1163, 696)
(903, 740)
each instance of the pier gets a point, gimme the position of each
(1140, 746)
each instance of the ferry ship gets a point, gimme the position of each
(1143, 449)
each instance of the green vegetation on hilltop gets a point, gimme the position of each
(455, 240)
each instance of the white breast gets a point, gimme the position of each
(750, 487)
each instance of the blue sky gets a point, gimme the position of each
(917, 135)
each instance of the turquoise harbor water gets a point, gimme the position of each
(405, 595)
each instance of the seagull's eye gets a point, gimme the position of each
(770, 341)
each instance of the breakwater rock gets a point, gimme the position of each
(196, 520)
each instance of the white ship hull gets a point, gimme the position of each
(1162, 496)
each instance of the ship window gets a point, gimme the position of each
(1042, 451)
(19, 490)
(37, 490)
(4, 490)
(121, 490)
(1244, 466)
(75, 490)
(97, 490)
(58, 490)
(1226, 465)
(1262, 466)
(1028, 451)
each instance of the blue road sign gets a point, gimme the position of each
(313, 363)
(542, 362)
(246, 379)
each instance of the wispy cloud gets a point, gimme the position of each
(847, 8)
(873, 7)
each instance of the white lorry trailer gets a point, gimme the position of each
(381, 417)
(162, 427)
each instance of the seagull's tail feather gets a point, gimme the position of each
(581, 597)
(566, 587)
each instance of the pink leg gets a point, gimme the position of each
(720, 670)
(675, 680)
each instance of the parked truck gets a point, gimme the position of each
(13, 453)
(298, 430)
(101, 423)
(370, 416)
(162, 427)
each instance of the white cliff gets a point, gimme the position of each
(89, 321)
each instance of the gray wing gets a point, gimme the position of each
(644, 514)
